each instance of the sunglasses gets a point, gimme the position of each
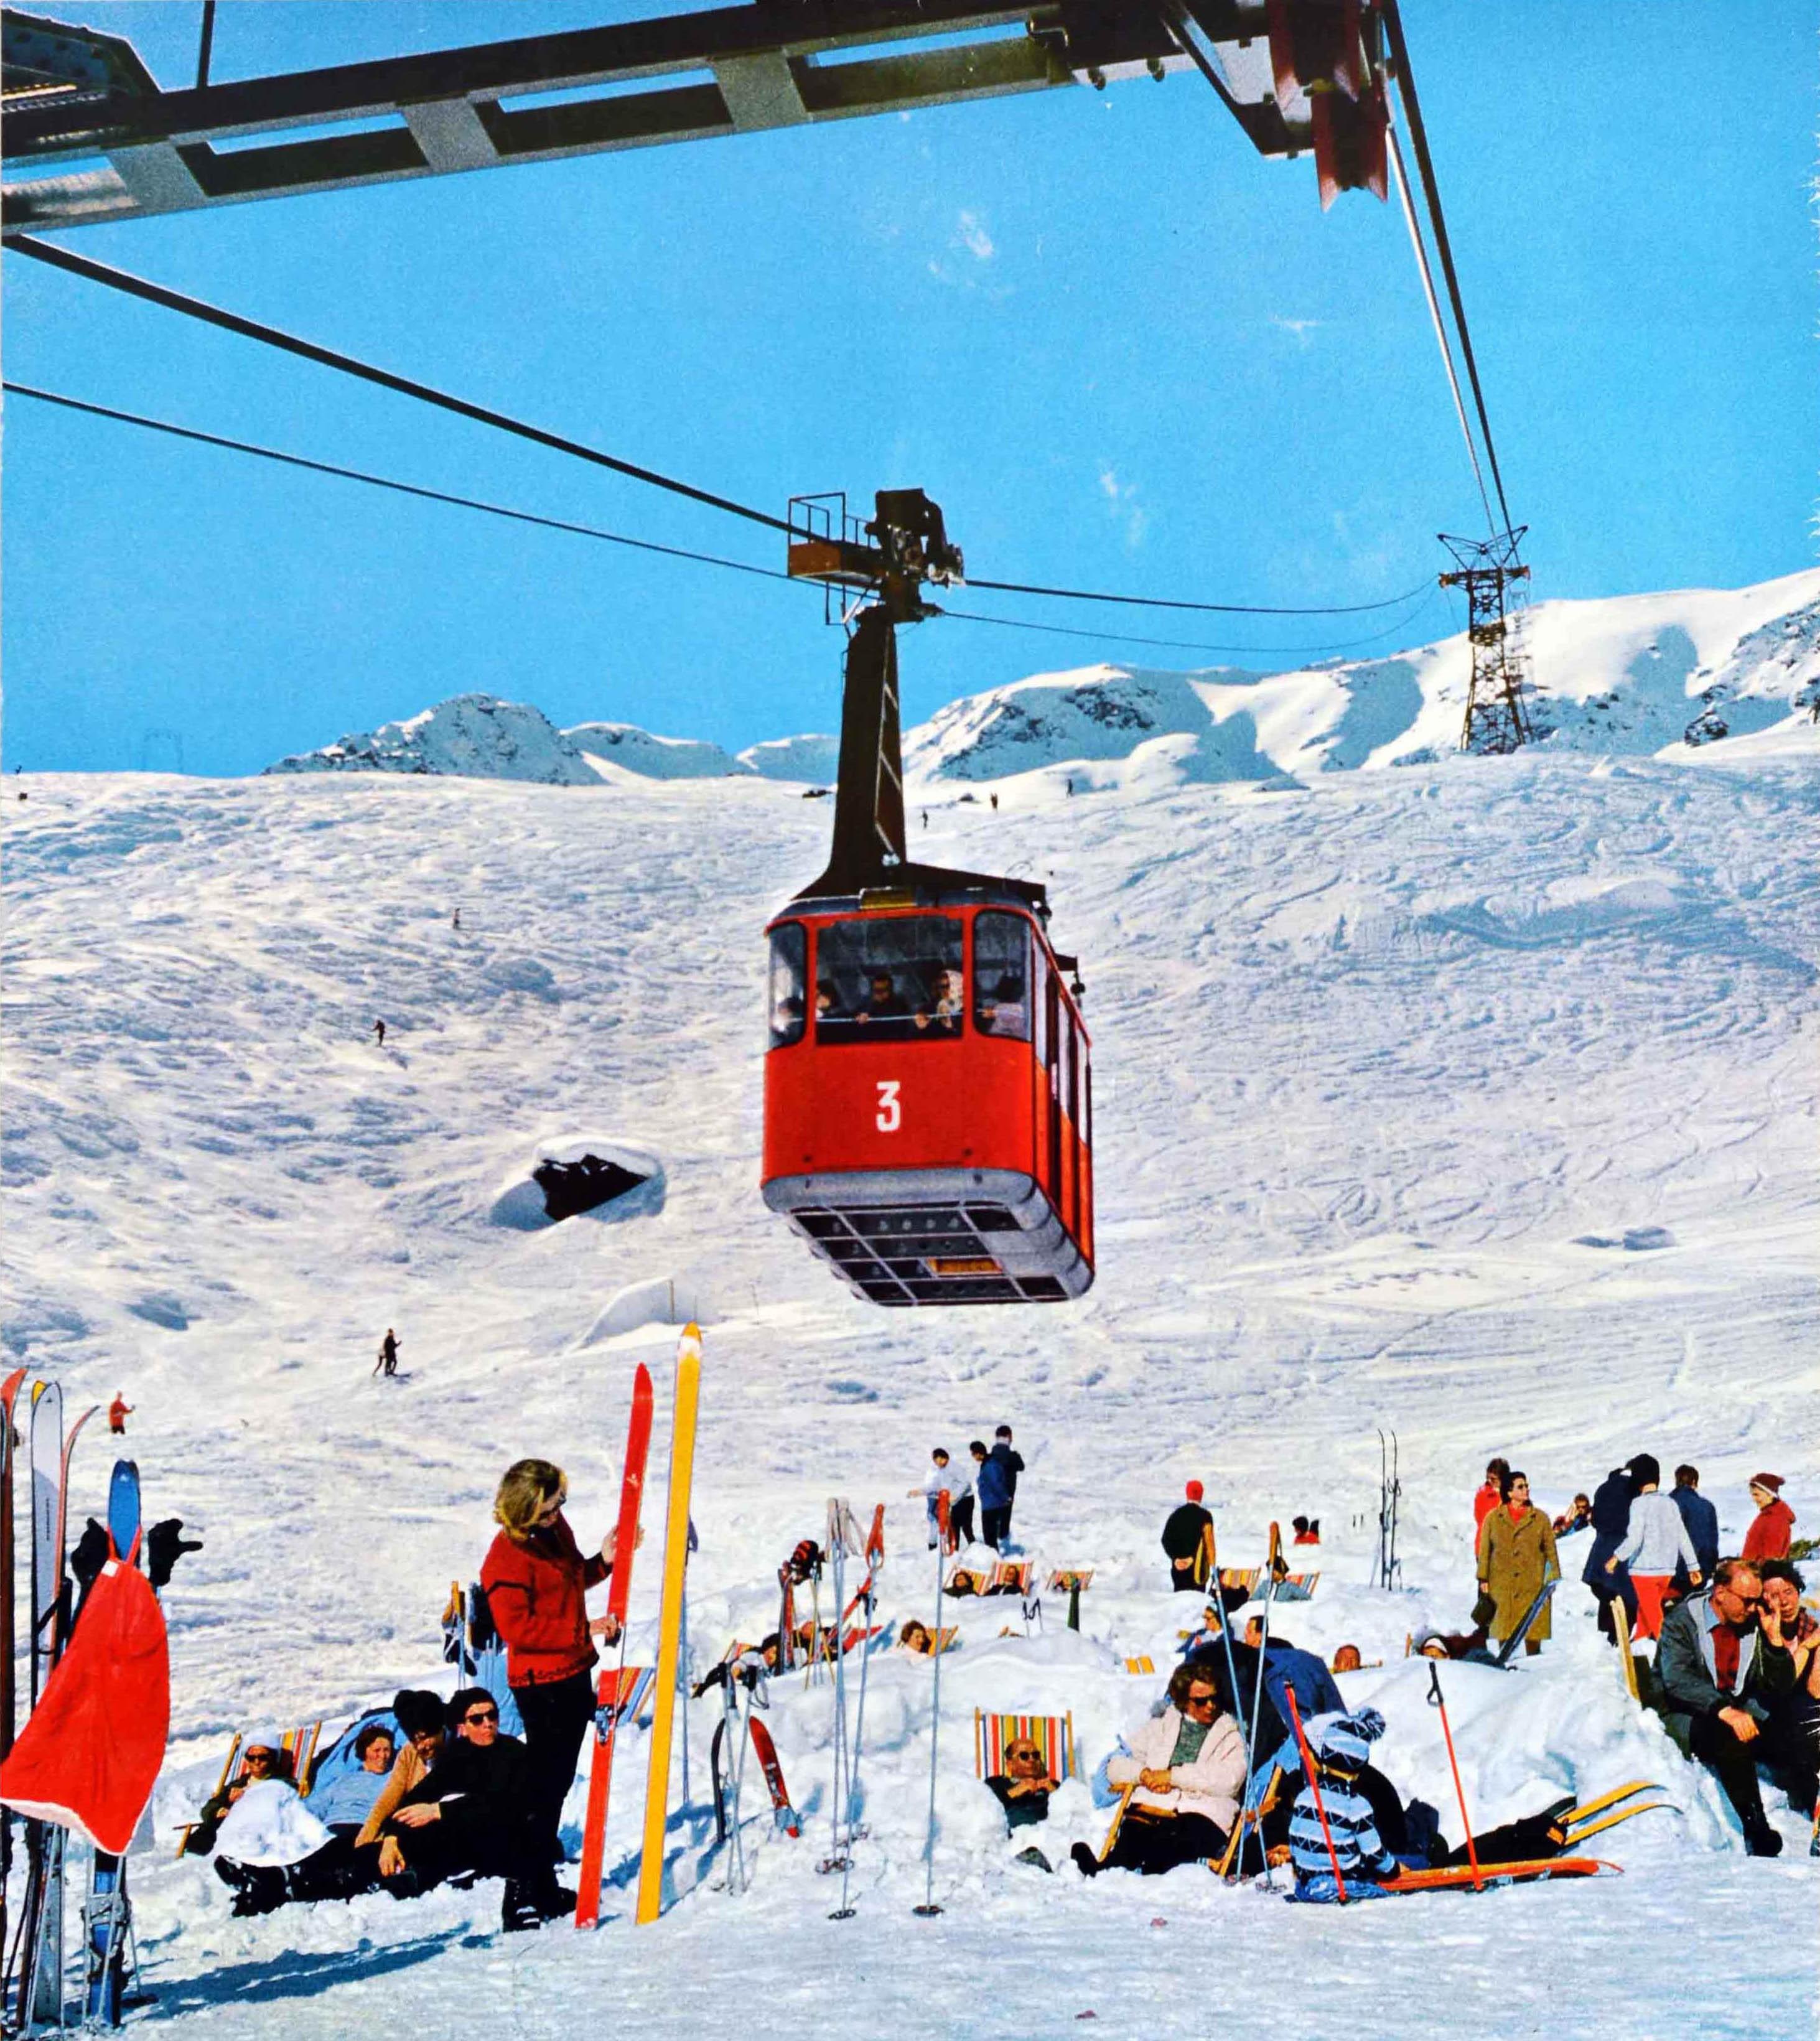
(481, 1715)
(1201, 1701)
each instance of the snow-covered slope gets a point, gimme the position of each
(1474, 1100)
(1630, 675)
(624, 745)
(474, 736)
(809, 757)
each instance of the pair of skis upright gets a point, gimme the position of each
(32, 1989)
(610, 1696)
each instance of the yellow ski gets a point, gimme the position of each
(669, 1627)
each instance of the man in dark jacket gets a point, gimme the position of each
(471, 1812)
(1185, 1540)
(1701, 1519)
(1612, 1500)
(996, 1488)
(1721, 1664)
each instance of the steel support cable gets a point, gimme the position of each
(1401, 177)
(386, 482)
(156, 294)
(1188, 644)
(1209, 609)
(1418, 135)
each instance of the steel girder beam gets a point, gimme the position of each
(678, 78)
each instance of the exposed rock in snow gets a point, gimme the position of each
(654, 757)
(580, 1173)
(472, 737)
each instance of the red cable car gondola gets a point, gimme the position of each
(927, 1097)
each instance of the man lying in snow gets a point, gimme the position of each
(1181, 1781)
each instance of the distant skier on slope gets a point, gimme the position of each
(118, 1413)
(388, 1361)
(379, 1034)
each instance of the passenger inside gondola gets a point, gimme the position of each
(883, 1002)
(1000, 961)
(891, 979)
(942, 1015)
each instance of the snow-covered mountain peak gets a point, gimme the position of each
(469, 736)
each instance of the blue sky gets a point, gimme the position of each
(1121, 349)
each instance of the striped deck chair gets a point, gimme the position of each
(1053, 1735)
(635, 1684)
(1141, 1665)
(1240, 1576)
(1064, 1580)
(297, 1748)
(1009, 1577)
(969, 1581)
(1297, 1587)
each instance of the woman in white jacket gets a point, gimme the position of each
(1182, 1782)
(1657, 1537)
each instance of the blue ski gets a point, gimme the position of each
(108, 1917)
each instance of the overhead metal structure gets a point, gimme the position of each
(1297, 75)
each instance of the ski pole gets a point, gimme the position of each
(1310, 1773)
(1257, 1693)
(1226, 1633)
(845, 1912)
(1437, 1699)
(836, 1546)
(941, 1518)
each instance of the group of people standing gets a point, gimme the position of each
(989, 1474)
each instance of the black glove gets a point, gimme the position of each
(165, 1544)
(90, 1556)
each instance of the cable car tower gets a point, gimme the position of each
(1497, 614)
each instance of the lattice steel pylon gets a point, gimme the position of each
(1498, 694)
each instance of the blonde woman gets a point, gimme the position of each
(537, 1582)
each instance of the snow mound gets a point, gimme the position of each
(595, 1174)
(810, 758)
(469, 737)
(662, 1300)
(605, 744)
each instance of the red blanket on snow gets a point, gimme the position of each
(88, 1757)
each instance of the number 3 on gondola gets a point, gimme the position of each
(890, 1113)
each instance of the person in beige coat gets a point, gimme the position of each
(1515, 1555)
(1182, 1779)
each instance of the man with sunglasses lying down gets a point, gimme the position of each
(1721, 1665)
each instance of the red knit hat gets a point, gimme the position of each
(1195, 1491)
(1771, 1482)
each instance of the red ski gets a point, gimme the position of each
(1451, 1877)
(611, 1691)
(767, 1752)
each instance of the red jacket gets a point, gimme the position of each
(1771, 1531)
(536, 1589)
(1485, 1498)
